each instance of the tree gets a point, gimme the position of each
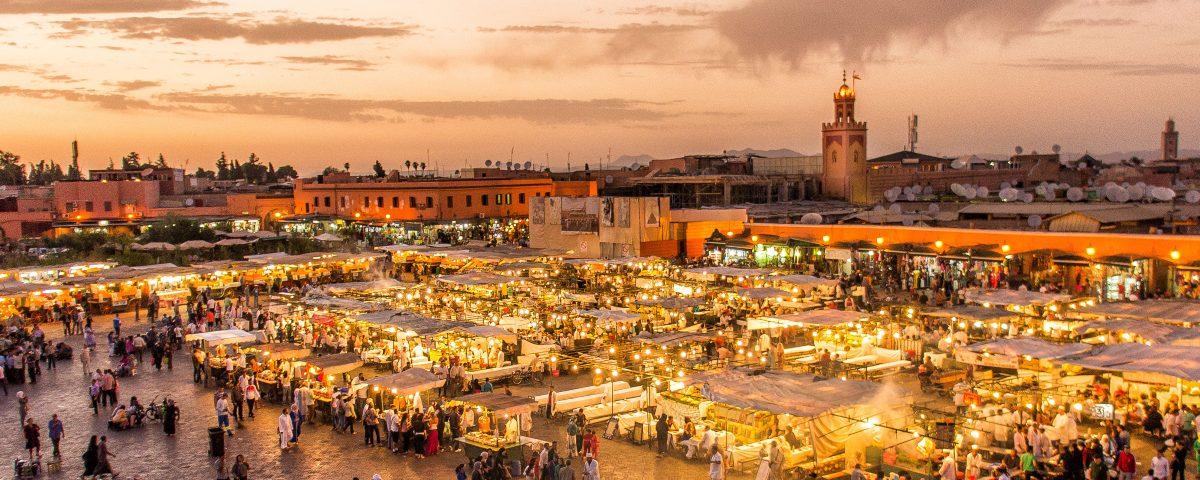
(161, 162)
(408, 164)
(209, 174)
(253, 170)
(73, 171)
(177, 230)
(11, 170)
(330, 170)
(422, 166)
(235, 171)
(347, 165)
(286, 171)
(272, 177)
(131, 161)
(222, 167)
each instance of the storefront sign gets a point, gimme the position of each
(837, 254)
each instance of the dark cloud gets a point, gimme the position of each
(1128, 69)
(97, 6)
(58, 77)
(111, 101)
(131, 85)
(342, 63)
(571, 46)
(279, 30)
(791, 31)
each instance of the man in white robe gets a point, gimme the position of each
(285, 429)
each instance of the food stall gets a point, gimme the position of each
(222, 345)
(506, 413)
(403, 389)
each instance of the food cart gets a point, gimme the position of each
(506, 411)
(404, 388)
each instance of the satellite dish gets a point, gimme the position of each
(956, 189)
(1019, 150)
(1048, 194)
(906, 222)
(1027, 198)
(608, 179)
(1056, 148)
(1075, 194)
(981, 191)
(910, 196)
(928, 190)
(1137, 192)
(528, 165)
(811, 219)
(1114, 193)
(970, 193)
(1192, 196)
(1005, 186)
(958, 163)
(895, 208)
(890, 195)
(188, 202)
(1009, 194)
(879, 208)
(1035, 221)
(1162, 194)
(934, 208)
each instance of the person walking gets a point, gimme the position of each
(591, 468)
(22, 406)
(241, 469)
(54, 430)
(370, 425)
(285, 429)
(222, 408)
(252, 395)
(91, 458)
(103, 465)
(33, 442)
(662, 433)
(170, 417)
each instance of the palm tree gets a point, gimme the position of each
(487, 163)
(422, 166)
(408, 164)
(347, 165)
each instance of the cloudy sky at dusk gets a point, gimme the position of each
(316, 83)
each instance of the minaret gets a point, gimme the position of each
(843, 151)
(1170, 141)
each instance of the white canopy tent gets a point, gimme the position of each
(763, 293)
(1004, 297)
(471, 279)
(1176, 361)
(783, 392)
(607, 316)
(805, 281)
(408, 382)
(713, 273)
(1166, 311)
(222, 337)
(810, 318)
(1008, 352)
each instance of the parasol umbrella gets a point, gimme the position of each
(160, 246)
(195, 245)
(230, 242)
(328, 237)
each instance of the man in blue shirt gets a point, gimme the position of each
(116, 325)
(487, 385)
(55, 430)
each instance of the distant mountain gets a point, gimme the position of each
(776, 153)
(627, 160)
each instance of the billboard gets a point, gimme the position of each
(580, 215)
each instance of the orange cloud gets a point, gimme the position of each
(111, 101)
(279, 30)
(342, 62)
(97, 6)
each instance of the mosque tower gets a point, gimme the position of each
(1170, 141)
(844, 150)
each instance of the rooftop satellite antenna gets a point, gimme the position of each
(912, 133)
(1019, 150)
(1056, 148)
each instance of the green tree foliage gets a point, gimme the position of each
(222, 167)
(202, 173)
(286, 171)
(45, 173)
(329, 170)
(176, 230)
(253, 170)
(131, 161)
(11, 170)
(379, 171)
(161, 162)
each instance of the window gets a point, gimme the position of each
(317, 202)
(412, 202)
(508, 199)
(87, 206)
(521, 198)
(468, 200)
(366, 202)
(107, 205)
(71, 206)
(345, 200)
(395, 202)
(499, 199)
(483, 199)
(428, 202)
(326, 202)
(450, 201)
(379, 202)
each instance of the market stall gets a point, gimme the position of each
(506, 414)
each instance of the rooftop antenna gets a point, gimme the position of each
(568, 162)
(609, 160)
(912, 133)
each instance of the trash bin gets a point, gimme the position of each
(216, 442)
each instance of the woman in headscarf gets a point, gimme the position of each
(91, 458)
(170, 416)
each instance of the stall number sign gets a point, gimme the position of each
(1102, 411)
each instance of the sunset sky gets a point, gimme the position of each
(316, 83)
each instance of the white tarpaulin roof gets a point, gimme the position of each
(822, 317)
(411, 322)
(670, 303)
(223, 337)
(475, 279)
(605, 316)
(1157, 332)
(702, 272)
(1013, 297)
(805, 281)
(1024, 346)
(491, 331)
(971, 312)
(335, 363)
(407, 382)
(1168, 311)
(1173, 360)
(783, 392)
(763, 293)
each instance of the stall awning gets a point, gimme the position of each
(711, 273)
(491, 331)
(810, 318)
(1172, 360)
(1002, 297)
(1027, 347)
(408, 382)
(222, 337)
(279, 351)
(971, 313)
(762, 293)
(805, 281)
(500, 403)
(13, 288)
(605, 316)
(784, 392)
(471, 279)
(410, 322)
(1156, 332)
(1166, 311)
(670, 303)
(335, 363)
(671, 339)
